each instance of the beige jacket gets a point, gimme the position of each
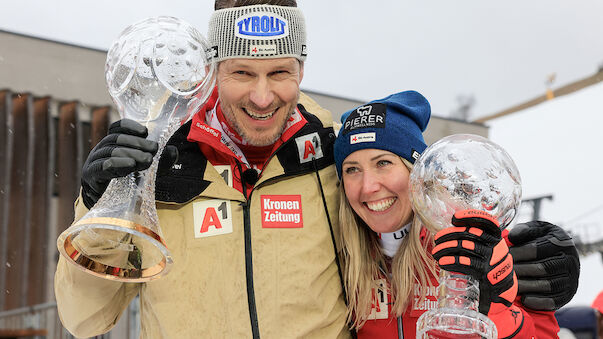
(296, 285)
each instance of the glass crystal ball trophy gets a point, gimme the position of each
(159, 73)
(460, 172)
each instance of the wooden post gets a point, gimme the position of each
(41, 199)
(21, 177)
(6, 145)
(68, 164)
(100, 124)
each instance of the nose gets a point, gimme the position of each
(370, 182)
(261, 95)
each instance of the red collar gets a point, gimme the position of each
(221, 145)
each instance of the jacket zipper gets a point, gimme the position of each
(400, 328)
(253, 313)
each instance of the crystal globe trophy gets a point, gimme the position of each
(158, 73)
(461, 172)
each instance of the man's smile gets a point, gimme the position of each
(259, 116)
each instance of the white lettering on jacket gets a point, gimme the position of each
(281, 211)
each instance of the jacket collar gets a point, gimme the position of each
(307, 150)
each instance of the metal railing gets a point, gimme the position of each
(42, 319)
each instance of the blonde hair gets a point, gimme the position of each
(364, 263)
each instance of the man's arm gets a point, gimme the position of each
(89, 305)
(546, 263)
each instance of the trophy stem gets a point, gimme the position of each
(457, 314)
(148, 187)
(120, 238)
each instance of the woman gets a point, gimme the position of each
(389, 271)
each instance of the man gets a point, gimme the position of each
(248, 209)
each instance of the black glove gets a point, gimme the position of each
(476, 248)
(123, 151)
(546, 263)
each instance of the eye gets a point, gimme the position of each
(280, 74)
(350, 170)
(239, 72)
(383, 162)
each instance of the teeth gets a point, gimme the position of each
(258, 116)
(381, 205)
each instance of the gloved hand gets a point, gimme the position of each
(476, 248)
(546, 263)
(123, 151)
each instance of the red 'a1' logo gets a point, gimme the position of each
(210, 220)
(309, 147)
(212, 217)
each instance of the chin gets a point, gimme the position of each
(262, 141)
(382, 229)
(390, 228)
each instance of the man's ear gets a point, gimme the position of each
(301, 70)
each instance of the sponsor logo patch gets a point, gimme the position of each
(415, 155)
(262, 50)
(261, 25)
(304, 51)
(363, 137)
(212, 217)
(419, 306)
(208, 130)
(379, 306)
(225, 172)
(212, 52)
(372, 115)
(293, 119)
(281, 211)
(309, 147)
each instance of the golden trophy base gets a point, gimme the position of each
(115, 249)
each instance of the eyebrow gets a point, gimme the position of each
(346, 162)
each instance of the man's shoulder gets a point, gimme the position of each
(312, 107)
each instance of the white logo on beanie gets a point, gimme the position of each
(364, 110)
(368, 116)
(262, 50)
(363, 137)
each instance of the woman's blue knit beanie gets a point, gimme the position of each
(394, 123)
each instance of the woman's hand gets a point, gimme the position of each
(475, 247)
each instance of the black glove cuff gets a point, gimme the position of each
(89, 196)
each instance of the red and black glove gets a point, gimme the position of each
(476, 248)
